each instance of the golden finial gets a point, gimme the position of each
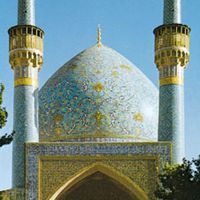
(99, 36)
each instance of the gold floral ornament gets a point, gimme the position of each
(115, 74)
(98, 87)
(126, 67)
(58, 131)
(138, 117)
(98, 117)
(58, 118)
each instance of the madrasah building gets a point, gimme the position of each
(98, 129)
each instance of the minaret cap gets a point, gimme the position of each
(99, 36)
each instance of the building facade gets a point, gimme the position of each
(98, 128)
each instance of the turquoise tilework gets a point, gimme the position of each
(98, 82)
(171, 119)
(26, 128)
(34, 151)
(172, 11)
(26, 12)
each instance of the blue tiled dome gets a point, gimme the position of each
(98, 96)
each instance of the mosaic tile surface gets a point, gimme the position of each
(34, 151)
(96, 95)
(171, 119)
(172, 11)
(25, 127)
(26, 12)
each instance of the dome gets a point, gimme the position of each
(98, 96)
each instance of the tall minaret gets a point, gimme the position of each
(171, 58)
(26, 58)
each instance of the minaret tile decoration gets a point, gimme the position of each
(26, 58)
(171, 58)
(172, 11)
(26, 12)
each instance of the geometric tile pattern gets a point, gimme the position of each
(172, 11)
(171, 118)
(98, 96)
(25, 98)
(25, 126)
(26, 12)
(141, 151)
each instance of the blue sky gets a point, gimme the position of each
(127, 26)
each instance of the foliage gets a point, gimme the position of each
(180, 182)
(3, 113)
(5, 139)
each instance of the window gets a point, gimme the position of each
(24, 54)
(29, 54)
(38, 33)
(23, 30)
(14, 32)
(179, 29)
(29, 31)
(34, 31)
(160, 32)
(173, 53)
(173, 29)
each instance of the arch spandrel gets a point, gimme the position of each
(131, 188)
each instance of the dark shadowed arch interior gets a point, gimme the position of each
(97, 186)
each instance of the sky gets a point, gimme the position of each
(127, 26)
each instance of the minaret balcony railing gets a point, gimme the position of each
(26, 46)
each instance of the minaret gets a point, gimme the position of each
(171, 58)
(26, 58)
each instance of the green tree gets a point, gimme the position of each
(180, 182)
(5, 139)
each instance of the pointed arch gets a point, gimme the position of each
(134, 190)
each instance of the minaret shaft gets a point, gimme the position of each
(171, 58)
(172, 12)
(26, 12)
(26, 58)
(26, 128)
(171, 119)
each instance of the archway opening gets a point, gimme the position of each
(97, 186)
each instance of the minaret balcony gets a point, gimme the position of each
(26, 46)
(172, 43)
